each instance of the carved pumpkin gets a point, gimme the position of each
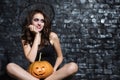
(40, 69)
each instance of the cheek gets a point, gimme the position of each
(34, 23)
(42, 25)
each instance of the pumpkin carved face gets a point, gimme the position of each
(40, 69)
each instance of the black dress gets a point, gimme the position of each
(48, 54)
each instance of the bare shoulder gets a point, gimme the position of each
(23, 41)
(53, 37)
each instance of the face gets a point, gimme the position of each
(38, 21)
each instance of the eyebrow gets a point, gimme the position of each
(38, 18)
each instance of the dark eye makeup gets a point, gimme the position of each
(36, 19)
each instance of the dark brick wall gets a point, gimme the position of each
(89, 31)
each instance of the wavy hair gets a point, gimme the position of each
(28, 36)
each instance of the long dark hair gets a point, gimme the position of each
(28, 36)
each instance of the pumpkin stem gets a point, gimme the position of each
(40, 56)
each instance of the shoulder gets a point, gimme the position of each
(24, 42)
(53, 37)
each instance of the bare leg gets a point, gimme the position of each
(65, 71)
(19, 73)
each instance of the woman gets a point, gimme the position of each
(38, 38)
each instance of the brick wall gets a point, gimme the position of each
(89, 32)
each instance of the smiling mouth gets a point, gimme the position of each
(38, 74)
(38, 27)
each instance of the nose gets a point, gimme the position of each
(39, 24)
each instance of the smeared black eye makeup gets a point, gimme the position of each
(41, 20)
(36, 19)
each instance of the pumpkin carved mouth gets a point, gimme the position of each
(37, 74)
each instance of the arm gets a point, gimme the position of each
(55, 41)
(31, 52)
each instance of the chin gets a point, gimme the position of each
(39, 30)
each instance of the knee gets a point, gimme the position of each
(10, 66)
(72, 68)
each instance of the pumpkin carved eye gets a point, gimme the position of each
(37, 68)
(43, 68)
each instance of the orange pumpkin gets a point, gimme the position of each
(40, 69)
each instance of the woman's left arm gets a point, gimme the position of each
(56, 44)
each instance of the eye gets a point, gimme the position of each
(36, 19)
(42, 20)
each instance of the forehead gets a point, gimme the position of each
(38, 15)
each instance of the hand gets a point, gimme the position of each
(33, 29)
(36, 32)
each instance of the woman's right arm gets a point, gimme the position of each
(31, 52)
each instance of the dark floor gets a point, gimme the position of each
(6, 77)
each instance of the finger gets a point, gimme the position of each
(32, 28)
(35, 29)
(29, 26)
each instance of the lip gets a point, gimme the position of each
(38, 27)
